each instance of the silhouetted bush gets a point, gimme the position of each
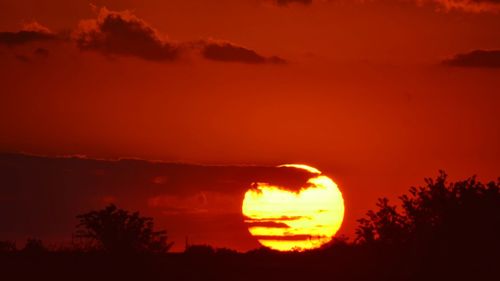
(34, 246)
(262, 251)
(385, 225)
(465, 210)
(225, 252)
(118, 231)
(7, 247)
(440, 231)
(199, 250)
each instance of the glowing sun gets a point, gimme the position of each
(286, 220)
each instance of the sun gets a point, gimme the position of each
(294, 221)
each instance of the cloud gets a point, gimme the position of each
(30, 32)
(475, 6)
(228, 52)
(469, 5)
(122, 33)
(287, 2)
(476, 58)
(297, 237)
(282, 218)
(271, 224)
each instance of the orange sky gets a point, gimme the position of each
(370, 93)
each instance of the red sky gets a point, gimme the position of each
(377, 95)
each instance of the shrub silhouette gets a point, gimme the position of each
(34, 246)
(199, 250)
(465, 210)
(384, 225)
(441, 231)
(7, 247)
(118, 231)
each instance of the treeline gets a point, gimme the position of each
(439, 231)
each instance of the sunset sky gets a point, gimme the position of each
(376, 94)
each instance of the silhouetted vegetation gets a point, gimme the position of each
(458, 211)
(7, 247)
(34, 246)
(199, 250)
(440, 231)
(450, 230)
(118, 231)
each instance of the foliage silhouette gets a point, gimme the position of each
(7, 247)
(441, 231)
(437, 210)
(385, 225)
(118, 231)
(34, 246)
(199, 250)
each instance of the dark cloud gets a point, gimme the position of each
(23, 37)
(267, 224)
(282, 218)
(227, 52)
(287, 2)
(122, 33)
(298, 237)
(476, 58)
(32, 32)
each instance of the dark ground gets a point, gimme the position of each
(340, 262)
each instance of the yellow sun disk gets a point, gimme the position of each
(307, 219)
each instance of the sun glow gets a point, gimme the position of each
(285, 220)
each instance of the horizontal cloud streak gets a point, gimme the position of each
(282, 218)
(476, 58)
(227, 52)
(297, 237)
(271, 224)
(31, 32)
(446, 5)
(288, 2)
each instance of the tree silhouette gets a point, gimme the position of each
(440, 231)
(466, 209)
(34, 246)
(118, 231)
(385, 225)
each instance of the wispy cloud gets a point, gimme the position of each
(476, 58)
